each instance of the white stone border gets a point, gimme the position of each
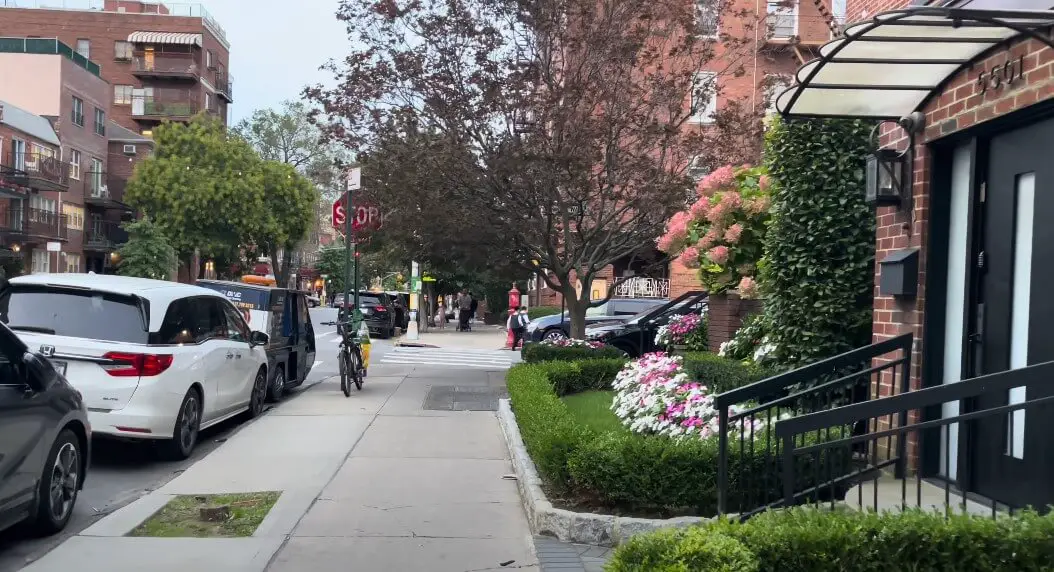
(569, 526)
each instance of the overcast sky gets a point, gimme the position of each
(277, 47)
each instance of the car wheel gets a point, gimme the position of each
(277, 389)
(59, 484)
(258, 397)
(554, 335)
(188, 423)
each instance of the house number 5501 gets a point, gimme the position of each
(1001, 76)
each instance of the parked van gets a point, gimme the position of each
(283, 315)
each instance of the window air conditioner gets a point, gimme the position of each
(129, 149)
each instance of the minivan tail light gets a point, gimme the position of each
(137, 365)
(380, 308)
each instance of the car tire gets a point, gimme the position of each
(554, 334)
(187, 427)
(277, 388)
(59, 484)
(258, 394)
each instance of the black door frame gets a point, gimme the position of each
(937, 258)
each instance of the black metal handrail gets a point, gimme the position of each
(748, 473)
(872, 412)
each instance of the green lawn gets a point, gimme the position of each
(593, 409)
(181, 516)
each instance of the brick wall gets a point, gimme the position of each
(725, 316)
(859, 9)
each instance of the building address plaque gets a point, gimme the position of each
(1001, 76)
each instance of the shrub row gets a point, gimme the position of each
(822, 541)
(721, 374)
(537, 353)
(627, 472)
(542, 311)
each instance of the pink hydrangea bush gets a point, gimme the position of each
(724, 229)
(654, 395)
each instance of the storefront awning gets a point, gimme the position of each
(888, 66)
(170, 38)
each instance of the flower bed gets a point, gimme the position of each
(834, 541)
(687, 330)
(620, 471)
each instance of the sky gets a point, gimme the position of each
(277, 47)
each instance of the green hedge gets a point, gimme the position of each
(537, 353)
(822, 541)
(626, 472)
(542, 311)
(721, 374)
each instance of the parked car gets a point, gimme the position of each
(283, 315)
(45, 439)
(401, 301)
(313, 301)
(636, 336)
(338, 301)
(154, 360)
(378, 312)
(558, 327)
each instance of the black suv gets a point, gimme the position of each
(378, 312)
(636, 336)
(45, 438)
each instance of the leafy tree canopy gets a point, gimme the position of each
(147, 253)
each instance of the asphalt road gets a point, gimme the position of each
(121, 472)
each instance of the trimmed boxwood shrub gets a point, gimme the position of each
(839, 541)
(542, 311)
(537, 353)
(624, 471)
(721, 374)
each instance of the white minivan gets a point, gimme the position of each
(154, 360)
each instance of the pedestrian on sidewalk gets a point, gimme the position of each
(441, 315)
(473, 308)
(464, 304)
(518, 324)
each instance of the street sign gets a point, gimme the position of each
(367, 217)
(415, 285)
(354, 182)
(427, 279)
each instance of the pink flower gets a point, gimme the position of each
(699, 208)
(733, 233)
(708, 240)
(717, 212)
(690, 257)
(759, 205)
(676, 232)
(764, 182)
(748, 288)
(719, 179)
(732, 200)
(718, 254)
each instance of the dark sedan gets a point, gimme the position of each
(557, 327)
(378, 312)
(636, 336)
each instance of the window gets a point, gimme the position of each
(96, 175)
(775, 84)
(122, 50)
(237, 330)
(208, 59)
(782, 19)
(74, 216)
(42, 204)
(704, 97)
(18, 147)
(76, 313)
(78, 111)
(208, 101)
(84, 48)
(707, 16)
(73, 263)
(122, 94)
(75, 164)
(41, 265)
(100, 122)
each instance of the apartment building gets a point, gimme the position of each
(163, 61)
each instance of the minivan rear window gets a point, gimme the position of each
(75, 313)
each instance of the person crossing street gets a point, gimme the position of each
(518, 324)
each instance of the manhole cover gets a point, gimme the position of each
(463, 398)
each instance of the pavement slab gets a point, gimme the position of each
(126, 554)
(404, 554)
(468, 435)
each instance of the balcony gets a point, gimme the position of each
(225, 87)
(39, 171)
(46, 46)
(104, 236)
(31, 225)
(102, 196)
(166, 66)
(159, 109)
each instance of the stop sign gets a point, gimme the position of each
(367, 217)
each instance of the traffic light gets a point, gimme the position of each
(357, 254)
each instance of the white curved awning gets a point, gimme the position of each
(165, 38)
(888, 66)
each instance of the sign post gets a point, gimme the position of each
(354, 183)
(413, 328)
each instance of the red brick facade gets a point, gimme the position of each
(725, 315)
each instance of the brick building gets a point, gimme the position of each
(30, 165)
(963, 187)
(163, 61)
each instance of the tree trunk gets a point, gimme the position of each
(281, 266)
(576, 309)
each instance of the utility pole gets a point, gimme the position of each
(350, 257)
(413, 331)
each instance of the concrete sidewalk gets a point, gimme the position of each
(371, 482)
(482, 337)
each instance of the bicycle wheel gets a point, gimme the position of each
(345, 384)
(356, 370)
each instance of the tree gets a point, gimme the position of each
(289, 203)
(331, 264)
(201, 188)
(560, 130)
(147, 254)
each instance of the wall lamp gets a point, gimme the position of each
(889, 179)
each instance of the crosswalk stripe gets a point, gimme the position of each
(495, 359)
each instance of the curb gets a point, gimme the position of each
(402, 344)
(566, 525)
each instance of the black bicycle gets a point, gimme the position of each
(349, 356)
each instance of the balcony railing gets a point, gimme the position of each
(642, 287)
(40, 171)
(147, 107)
(750, 478)
(225, 87)
(45, 46)
(104, 235)
(45, 224)
(12, 218)
(166, 66)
